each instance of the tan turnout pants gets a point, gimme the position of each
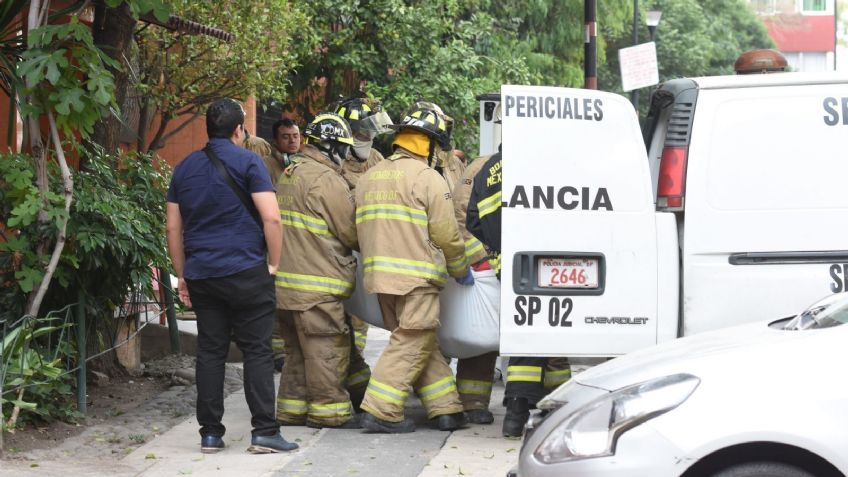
(474, 380)
(411, 360)
(312, 385)
(360, 333)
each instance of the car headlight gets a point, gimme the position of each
(594, 429)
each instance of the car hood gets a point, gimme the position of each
(755, 348)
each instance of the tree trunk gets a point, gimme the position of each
(68, 192)
(113, 30)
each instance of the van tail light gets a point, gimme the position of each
(671, 190)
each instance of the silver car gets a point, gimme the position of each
(760, 400)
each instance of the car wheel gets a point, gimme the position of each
(763, 469)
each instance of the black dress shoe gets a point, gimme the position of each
(451, 422)
(517, 413)
(374, 424)
(480, 416)
(211, 444)
(270, 444)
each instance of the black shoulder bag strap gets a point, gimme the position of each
(240, 193)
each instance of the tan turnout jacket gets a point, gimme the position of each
(317, 212)
(407, 228)
(452, 173)
(474, 249)
(352, 169)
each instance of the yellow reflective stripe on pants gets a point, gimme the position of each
(404, 266)
(358, 378)
(314, 283)
(291, 406)
(474, 386)
(555, 378)
(359, 339)
(531, 374)
(458, 265)
(437, 389)
(391, 212)
(386, 393)
(489, 204)
(335, 409)
(309, 223)
(472, 246)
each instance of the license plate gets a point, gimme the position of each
(568, 272)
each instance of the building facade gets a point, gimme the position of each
(803, 30)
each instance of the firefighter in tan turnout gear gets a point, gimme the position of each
(474, 375)
(410, 245)
(316, 274)
(367, 120)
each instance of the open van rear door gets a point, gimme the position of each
(579, 258)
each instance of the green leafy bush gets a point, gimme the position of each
(115, 233)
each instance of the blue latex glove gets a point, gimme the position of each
(467, 280)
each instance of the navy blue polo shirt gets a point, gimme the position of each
(220, 236)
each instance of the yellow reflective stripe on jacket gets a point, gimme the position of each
(330, 410)
(532, 374)
(291, 406)
(555, 378)
(309, 223)
(474, 386)
(495, 263)
(358, 378)
(472, 246)
(437, 389)
(386, 393)
(392, 212)
(402, 266)
(458, 264)
(314, 283)
(489, 204)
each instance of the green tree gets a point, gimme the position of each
(446, 51)
(694, 39)
(179, 73)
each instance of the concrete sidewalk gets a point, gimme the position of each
(476, 451)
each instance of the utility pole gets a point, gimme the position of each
(590, 47)
(634, 95)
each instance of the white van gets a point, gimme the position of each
(738, 212)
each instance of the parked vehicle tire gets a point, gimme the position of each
(763, 469)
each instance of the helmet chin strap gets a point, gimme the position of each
(330, 153)
(432, 153)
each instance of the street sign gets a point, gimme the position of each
(638, 66)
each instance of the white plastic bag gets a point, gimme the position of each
(362, 304)
(469, 314)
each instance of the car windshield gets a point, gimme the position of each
(832, 311)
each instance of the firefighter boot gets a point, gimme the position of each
(375, 424)
(517, 413)
(480, 416)
(451, 422)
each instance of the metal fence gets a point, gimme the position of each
(66, 328)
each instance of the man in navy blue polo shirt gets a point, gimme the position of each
(225, 257)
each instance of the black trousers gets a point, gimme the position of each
(522, 381)
(533, 378)
(241, 306)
